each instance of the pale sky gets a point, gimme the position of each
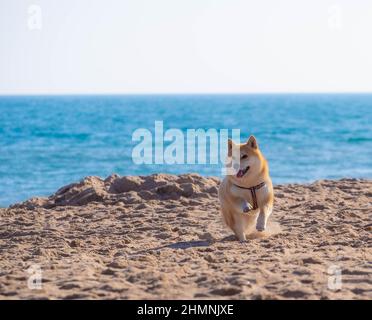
(185, 46)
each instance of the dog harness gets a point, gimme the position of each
(253, 193)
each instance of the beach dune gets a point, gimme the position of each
(163, 237)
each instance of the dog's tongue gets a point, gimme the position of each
(240, 173)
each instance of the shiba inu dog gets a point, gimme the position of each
(246, 193)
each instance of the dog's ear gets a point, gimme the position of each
(230, 144)
(252, 142)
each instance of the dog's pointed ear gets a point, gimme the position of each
(252, 142)
(230, 144)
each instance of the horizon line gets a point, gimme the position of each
(183, 93)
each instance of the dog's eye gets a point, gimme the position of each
(244, 156)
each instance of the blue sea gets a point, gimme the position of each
(49, 141)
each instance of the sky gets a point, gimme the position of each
(185, 46)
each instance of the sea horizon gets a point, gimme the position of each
(268, 93)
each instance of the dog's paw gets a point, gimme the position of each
(247, 207)
(260, 226)
(241, 237)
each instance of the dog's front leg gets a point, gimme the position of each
(262, 218)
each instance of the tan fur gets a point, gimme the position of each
(233, 199)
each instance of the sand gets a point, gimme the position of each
(162, 237)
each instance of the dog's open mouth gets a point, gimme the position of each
(242, 172)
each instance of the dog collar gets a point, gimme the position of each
(253, 192)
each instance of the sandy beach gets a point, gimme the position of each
(162, 237)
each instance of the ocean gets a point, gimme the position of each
(50, 141)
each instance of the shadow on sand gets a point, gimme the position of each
(273, 229)
(189, 244)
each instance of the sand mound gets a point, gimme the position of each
(128, 190)
(162, 236)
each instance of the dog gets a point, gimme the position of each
(246, 193)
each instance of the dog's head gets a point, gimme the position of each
(244, 160)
